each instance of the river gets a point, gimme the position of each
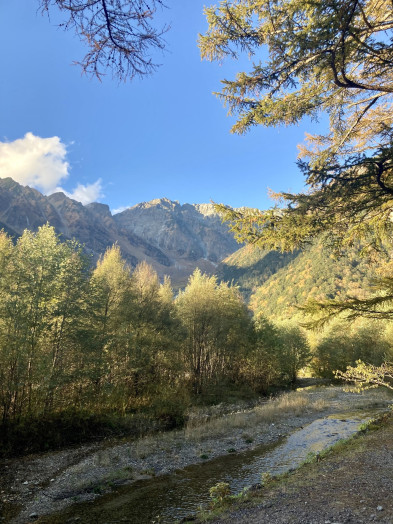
(168, 498)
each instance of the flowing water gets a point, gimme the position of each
(168, 498)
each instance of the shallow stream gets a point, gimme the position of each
(169, 498)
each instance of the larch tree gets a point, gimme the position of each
(217, 326)
(110, 296)
(41, 300)
(153, 347)
(334, 57)
(294, 351)
(260, 366)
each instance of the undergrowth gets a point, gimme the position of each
(70, 428)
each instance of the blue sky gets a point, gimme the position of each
(163, 136)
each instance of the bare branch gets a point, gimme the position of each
(119, 34)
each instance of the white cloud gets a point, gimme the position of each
(41, 163)
(35, 161)
(85, 194)
(119, 209)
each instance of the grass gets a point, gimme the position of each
(106, 483)
(293, 403)
(217, 425)
(227, 430)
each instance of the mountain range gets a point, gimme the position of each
(173, 238)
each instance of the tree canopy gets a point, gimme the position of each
(120, 35)
(334, 57)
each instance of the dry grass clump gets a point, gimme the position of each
(166, 442)
(294, 404)
(145, 446)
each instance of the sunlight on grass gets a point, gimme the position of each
(214, 422)
(294, 403)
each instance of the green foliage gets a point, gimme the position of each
(220, 492)
(294, 351)
(260, 367)
(217, 328)
(316, 273)
(341, 345)
(41, 291)
(266, 478)
(377, 305)
(318, 57)
(367, 376)
(251, 266)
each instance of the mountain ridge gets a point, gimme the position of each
(173, 238)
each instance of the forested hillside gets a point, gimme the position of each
(251, 266)
(276, 283)
(317, 273)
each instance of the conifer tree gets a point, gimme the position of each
(321, 57)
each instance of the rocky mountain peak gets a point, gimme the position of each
(185, 233)
(99, 209)
(206, 209)
(156, 203)
(173, 238)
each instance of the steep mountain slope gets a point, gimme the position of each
(250, 267)
(189, 235)
(174, 239)
(313, 273)
(22, 207)
(276, 283)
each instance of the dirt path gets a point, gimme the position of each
(38, 485)
(354, 485)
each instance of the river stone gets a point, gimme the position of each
(189, 518)
(255, 487)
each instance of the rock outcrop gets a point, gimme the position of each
(173, 238)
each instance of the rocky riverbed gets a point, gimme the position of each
(38, 485)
